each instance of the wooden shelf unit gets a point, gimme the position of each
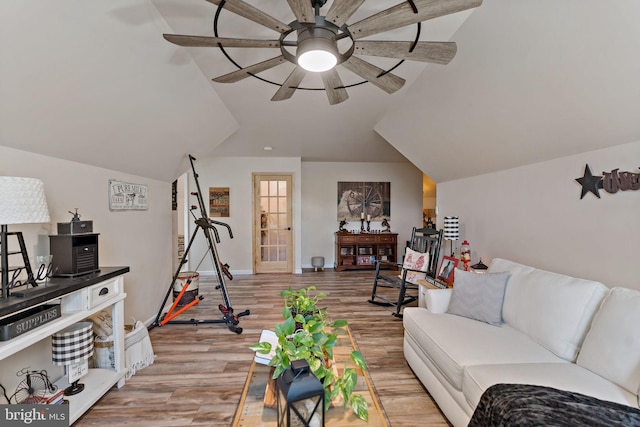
(361, 251)
(79, 298)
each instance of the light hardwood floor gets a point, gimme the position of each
(199, 371)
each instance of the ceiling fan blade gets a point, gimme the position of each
(303, 10)
(204, 41)
(341, 10)
(334, 87)
(251, 13)
(434, 52)
(253, 69)
(388, 82)
(290, 85)
(402, 15)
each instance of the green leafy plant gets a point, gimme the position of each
(302, 301)
(306, 334)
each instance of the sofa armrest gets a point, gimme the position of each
(437, 300)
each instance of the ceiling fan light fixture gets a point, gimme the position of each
(317, 50)
(317, 60)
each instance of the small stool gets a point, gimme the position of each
(317, 262)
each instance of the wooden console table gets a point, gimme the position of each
(361, 251)
(79, 298)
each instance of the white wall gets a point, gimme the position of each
(533, 215)
(320, 201)
(315, 205)
(235, 173)
(138, 239)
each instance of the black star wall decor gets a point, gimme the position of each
(611, 182)
(590, 183)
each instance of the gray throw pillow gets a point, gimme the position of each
(479, 296)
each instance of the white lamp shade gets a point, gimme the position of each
(451, 228)
(22, 201)
(72, 344)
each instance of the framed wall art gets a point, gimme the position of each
(124, 196)
(364, 200)
(218, 202)
(447, 269)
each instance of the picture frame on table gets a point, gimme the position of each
(366, 260)
(447, 269)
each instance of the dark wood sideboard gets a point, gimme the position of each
(360, 251)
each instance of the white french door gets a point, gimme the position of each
(272, 223)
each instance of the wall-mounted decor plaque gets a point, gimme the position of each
(124, 196)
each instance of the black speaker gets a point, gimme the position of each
(74, 254)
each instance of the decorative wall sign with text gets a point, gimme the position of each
(218, 202)
(174, 195)
(611, 182)
(125, 196)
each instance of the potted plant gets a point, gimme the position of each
(302, 301)
(306, 334)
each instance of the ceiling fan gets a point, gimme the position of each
(311, 42)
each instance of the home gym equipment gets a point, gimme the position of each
(207, 225)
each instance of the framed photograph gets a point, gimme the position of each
(447, 269)
(218, 202)
(366, 260)
(364, 200)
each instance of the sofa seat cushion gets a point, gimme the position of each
(453, 342)
(553, 309)
(563, 376)
(612, 345)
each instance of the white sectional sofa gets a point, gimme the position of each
(556, 331)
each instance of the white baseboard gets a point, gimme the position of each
(233, 272)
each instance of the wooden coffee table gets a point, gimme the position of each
(251, 411)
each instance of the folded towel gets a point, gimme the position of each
(138, 349)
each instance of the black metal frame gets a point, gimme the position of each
(294, 25)
(207, 225)
(422, 240)
(9, 283)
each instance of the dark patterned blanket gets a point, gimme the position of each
(504, 405)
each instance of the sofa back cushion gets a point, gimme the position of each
(553, 309)
(611, 348)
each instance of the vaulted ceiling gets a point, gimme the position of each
(95, 82)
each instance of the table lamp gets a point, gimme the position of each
(23, 202)
(72, 347)
(451, 229)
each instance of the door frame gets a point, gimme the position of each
(256, 219)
